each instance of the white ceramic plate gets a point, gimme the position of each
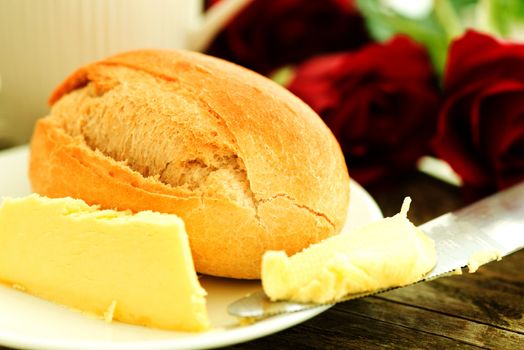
(31, 323)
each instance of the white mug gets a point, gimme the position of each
(43, 41)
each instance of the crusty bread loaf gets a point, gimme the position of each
(246, 164)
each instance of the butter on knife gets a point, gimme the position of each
(387, 253)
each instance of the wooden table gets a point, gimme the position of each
(484, 310)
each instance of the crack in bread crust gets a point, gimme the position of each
(192, 161)
(293, 202)
(225, 128)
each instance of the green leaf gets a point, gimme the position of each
(283, 76)
(502, 16)
(383, 23)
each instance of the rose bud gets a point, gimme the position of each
(268, 34)
(481, 124)
(380, 102)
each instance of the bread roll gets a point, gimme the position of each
(245, 164)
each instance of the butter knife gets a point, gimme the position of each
(482, 232)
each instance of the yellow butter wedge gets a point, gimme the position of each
(135, 268)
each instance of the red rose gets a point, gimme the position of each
(268, 34)
(380, 102)
(481, 125)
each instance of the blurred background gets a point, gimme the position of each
(402, 84)
(43, 41)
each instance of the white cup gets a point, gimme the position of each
(43, 41)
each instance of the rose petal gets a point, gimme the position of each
(476, 56)
(510, 169)
(499, 126)
(495, 111)
(453, 142)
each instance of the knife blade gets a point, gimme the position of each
(489, 229)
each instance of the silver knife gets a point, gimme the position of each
(494, 224)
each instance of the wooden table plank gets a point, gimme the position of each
(494, 295)
(339, 329)
(435, 322)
